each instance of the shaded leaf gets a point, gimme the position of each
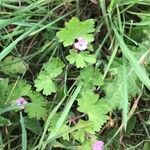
(4, 121)
(146, 146)
(80, 135)
(12, 65)
(114, 87)
(33, 125)
(3, 90)
(45, 79)
(131, 124)
(91, 77)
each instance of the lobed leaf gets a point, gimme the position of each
(45, 79)
(91, 77)
(12, 65)
(96, 109)
(80, 135)
(114, 87)
(54, 67)
(44, 83)
(22, 88)
(140, 72)
(75, 29)
(38, 106)
(81, 59)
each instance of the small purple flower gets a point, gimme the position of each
(98, 145)
(21, 102)
(81, 44)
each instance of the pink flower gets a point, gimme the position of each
(81, 44)
(21, 102)
(98, 145)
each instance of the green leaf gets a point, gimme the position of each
(131, 125)
(22, 88)
(91, 77)
(81, 59)
(63, 129)
(3, 90)
(45, 79)
(80, 135)
(113, 87)
(33, 125)
(12, 65)
(146, 145)
(96, 109)
(54, 67)
(45, 83)
(86, 145)
(75, 29)
(139, 70)
(38, 107)
(65, 111)
(4, 121)
(37, 110)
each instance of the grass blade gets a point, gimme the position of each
(8, 49)
(52, 114)
(5, 22)
(125, 93)
(24, 133)
(65, 113)
(140, 72)
(110, 61)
